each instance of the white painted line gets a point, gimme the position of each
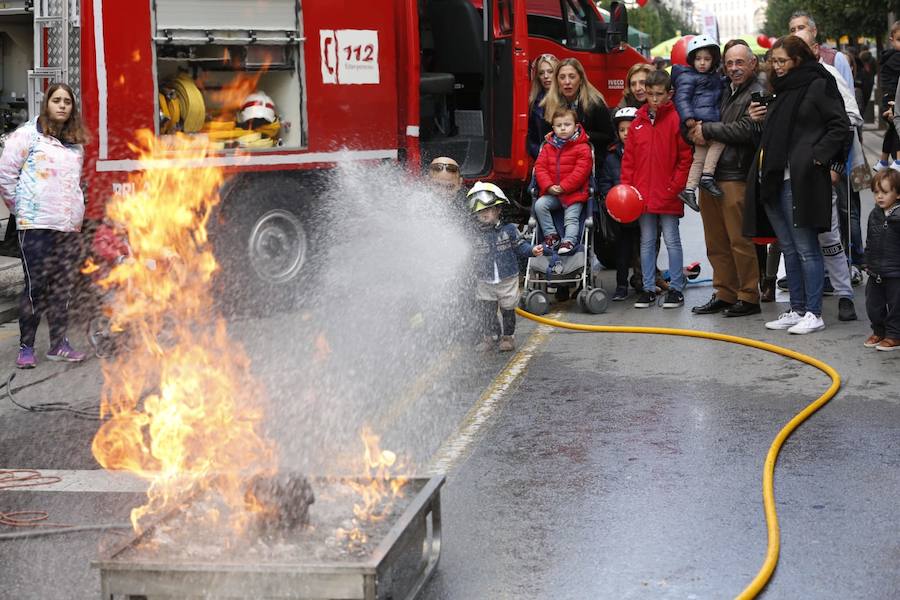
(480, 416)
(94, 480)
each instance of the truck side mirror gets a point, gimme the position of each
(617, 28)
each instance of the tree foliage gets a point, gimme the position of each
(658, 22)
(834, 18)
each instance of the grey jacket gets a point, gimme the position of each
(739, 134)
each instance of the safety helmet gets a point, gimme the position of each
(257, 105)
(485, 195)
(626, 113)
(704, 41)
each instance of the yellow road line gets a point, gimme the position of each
(456, 447)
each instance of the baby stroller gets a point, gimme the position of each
(571, 272)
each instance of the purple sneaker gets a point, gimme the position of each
(65, 352)
(26, 359)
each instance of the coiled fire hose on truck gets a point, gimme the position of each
(768, 487)
(192, 105)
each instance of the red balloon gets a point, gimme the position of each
(641, 3)
(763, 41)
(679, 51)
(624, 203)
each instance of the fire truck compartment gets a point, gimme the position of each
(230, 48)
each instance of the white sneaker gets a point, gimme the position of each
(896, 165)
(784, 321)
(808, 324)
(880, 166)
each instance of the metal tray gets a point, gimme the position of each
(397, 568)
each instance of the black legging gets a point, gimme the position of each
(49, 263)
(488, 310)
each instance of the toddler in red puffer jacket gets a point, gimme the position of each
(562, 171)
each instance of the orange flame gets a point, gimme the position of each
(182, 408)
(229, 99)
(378, 489)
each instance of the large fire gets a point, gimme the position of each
(182, 408)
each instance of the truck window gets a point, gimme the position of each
(578, 26)
(545, 20)
(566, 22)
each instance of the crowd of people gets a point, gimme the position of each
(763, 148)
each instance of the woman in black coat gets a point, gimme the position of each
(571, 88)
(804, 136)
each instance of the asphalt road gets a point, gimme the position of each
(612, 466)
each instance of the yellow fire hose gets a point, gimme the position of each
(774, 542)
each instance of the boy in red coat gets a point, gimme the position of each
(562, 170)
(656, 162)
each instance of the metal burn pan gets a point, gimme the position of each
(397, 566)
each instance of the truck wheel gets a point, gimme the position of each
(263, 240)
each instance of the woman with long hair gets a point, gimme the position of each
(542, 70)
(804, 136)
(40, 181)
(570, 87)
(635, 95)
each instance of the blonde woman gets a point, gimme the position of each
(542, 71)
(635, 95)
(40, 182)
(571, 88)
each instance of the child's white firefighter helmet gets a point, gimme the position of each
(626, 113)
(699, 42)
(485, 195)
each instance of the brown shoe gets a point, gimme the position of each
(485, 345)
(872, 341)
(507, 343)
(888, 344)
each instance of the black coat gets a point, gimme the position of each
(736, 131)
(597, 123)
(538, 127)
(883, 243)
(820, 134)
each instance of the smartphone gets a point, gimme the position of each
(760, 98)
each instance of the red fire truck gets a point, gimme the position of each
(363, 80)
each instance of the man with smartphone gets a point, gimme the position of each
(733, 256)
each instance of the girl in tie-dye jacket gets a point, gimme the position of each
(40, 182)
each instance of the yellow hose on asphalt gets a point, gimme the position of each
(774, 543)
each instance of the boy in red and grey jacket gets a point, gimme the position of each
(656, 162)
(562, 170)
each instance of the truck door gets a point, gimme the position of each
(474, 85)
(509, 89)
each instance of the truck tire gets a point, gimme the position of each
(263, 240)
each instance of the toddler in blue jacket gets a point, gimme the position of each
(496, 248)
(698, 92)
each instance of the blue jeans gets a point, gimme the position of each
(672, 237)
(571, 217)
(802, 254)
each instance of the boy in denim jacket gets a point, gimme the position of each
(496, 246)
